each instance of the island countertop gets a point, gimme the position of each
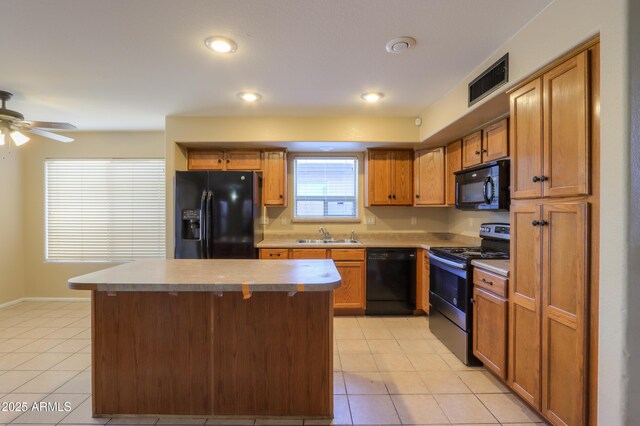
(213, 275)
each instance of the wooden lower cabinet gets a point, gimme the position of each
(351, 294)
(422, 281)
(350, 297)
(548, 306)
(490, 331)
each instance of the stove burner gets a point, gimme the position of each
(468, 253)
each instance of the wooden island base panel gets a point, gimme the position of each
(257, 349)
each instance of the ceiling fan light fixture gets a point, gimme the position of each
(2, 137)
(18, 138)
(221, 44)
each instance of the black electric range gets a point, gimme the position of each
(451, 288)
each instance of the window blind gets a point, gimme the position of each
(326, 187)
(104, 209)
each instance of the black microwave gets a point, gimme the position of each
(484, 187)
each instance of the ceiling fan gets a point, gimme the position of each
(13, 124)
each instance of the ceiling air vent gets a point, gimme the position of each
(495, 76)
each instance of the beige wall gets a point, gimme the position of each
(49, 279)
(12, 284)
(387, 218)
(180, 129)
(562, 25)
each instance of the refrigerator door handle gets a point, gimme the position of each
(208, 223)
(203, 226)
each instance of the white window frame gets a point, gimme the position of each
(152, 243)
(327, 219)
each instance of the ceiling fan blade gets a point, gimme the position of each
(50, 125)
(49, 135)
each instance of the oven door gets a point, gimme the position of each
(449, 290)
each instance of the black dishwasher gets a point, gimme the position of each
(391, 281)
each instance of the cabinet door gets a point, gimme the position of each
(351, 293)
(495, 141)
(454, 163)
(379, 178)
(471, 149)
(564, 289)
(274, 185)
(308, 253)
(205, 160)
(526, 141)
(524, 302)
(242, 160)
(429, 177)
(566, 133)
(402, 193)
(490, 331)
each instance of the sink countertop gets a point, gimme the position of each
(392, 240)
(213, 275)
(498, 266)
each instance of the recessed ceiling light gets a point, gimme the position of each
(372, 96)
(249, 96)
(221, 44)
(400, 44)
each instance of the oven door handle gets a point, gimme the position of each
(459, 269)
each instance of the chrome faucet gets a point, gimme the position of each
(353, 235)
(325, 233)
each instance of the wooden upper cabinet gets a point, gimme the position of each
(526, 140)
(402, 178)
(490, 331)
(205, 160)
(389, 177)
(564, 308)
(524, 302)
(454, 164)
(379, 178)
(429, 177)
(274, 184)
(495, 141)
(566, 128)
(472, 149)
(550, 133)
(243, 160)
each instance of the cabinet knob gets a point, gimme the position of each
(484, 151)
(535, 223)
(281, 196)
(394, 196)
(477, 152)
(389, 196)
(543, 223)
(543, 178)
(535, 179)
(417, 196)
(228, 161)
(219, 161)
(472, 300)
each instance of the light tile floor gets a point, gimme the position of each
(387, 370)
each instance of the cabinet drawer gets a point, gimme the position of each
(308, 253)
(490, 282)
(205, 160)
(274, 253)
(347, 254)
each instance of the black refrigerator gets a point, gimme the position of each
(218, 215)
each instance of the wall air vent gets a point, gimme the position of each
(495, 76)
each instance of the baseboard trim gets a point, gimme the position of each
(44, 299)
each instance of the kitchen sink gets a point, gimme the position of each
(331, 241)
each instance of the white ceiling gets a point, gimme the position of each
(126, 64)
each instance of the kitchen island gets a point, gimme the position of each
(229, 338)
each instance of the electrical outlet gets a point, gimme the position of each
(371, 220)
(284, 220)
(265, 220)
(414, 220)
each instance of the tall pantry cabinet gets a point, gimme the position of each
(554, 223)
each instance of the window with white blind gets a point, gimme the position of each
(326, 187)
(104, 209)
